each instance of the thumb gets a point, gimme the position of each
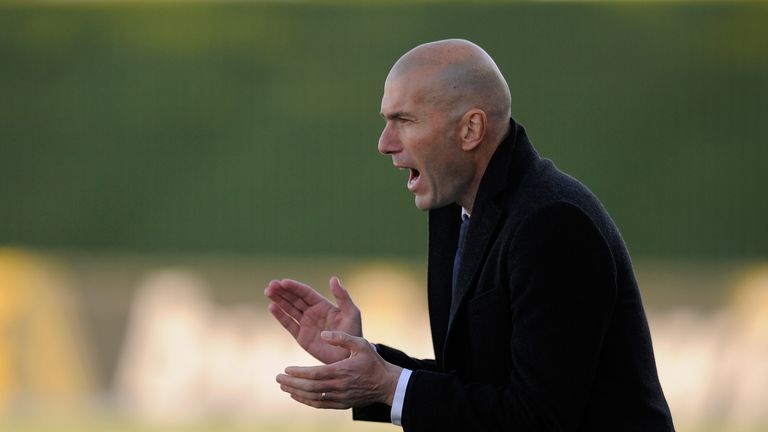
(345, 340)
(342, 296)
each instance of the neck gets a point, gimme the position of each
(484, 155)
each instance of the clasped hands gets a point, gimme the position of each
(354, 374)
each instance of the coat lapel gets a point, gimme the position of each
(481, 230)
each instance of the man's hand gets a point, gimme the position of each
(305, 313)
(362, 379)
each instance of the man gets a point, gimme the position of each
(537, 322)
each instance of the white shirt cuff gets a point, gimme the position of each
(397, 401)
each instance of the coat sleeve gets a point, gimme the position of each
(562, 284)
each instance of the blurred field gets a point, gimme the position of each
(116, 426)
(90, 425)
(184, 343)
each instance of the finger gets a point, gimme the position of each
(288, 296)
(305, 384)
(345, 340)
(302, 291)
(289, 308)
(285, 320)
(316, 396)
(312, 372)
(277, 292)
(320, 404)
(342, 296)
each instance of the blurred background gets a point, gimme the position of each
(160, 162)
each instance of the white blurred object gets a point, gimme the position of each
(748, 357)
(714, 367)
(161, 367)
(186, 359)
(687, 345)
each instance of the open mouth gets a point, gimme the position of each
(413, 177)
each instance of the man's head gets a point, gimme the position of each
(447, 108)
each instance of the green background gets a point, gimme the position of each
(252, 127)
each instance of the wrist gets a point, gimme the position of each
(393, 377)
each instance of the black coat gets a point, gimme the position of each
(547, 332)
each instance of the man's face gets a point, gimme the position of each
(422, 138)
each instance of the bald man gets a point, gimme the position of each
(537, 321)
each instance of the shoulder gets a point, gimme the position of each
(552, 202)
(544, 184)
(555, 217)
(562, 223)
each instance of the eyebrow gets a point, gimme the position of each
(396, 114)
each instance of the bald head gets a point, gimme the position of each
(456, 75)
(446, 108)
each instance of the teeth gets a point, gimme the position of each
(412, 178)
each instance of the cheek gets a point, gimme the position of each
(413, 135)
(448, 171)
(417, 148)
(438, 170)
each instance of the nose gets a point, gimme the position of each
(389, 142)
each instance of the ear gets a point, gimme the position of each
(473, 128)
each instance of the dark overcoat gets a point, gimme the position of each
(547, 330)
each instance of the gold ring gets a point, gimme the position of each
(322, 396)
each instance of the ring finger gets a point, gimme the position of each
(308, 395)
